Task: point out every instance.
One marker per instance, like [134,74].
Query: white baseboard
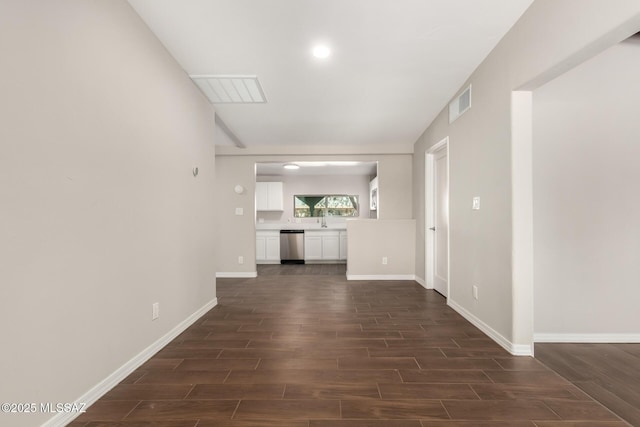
[515,349]
[100,389]
[587,338]
[237,275]
[421,282]
[381,276]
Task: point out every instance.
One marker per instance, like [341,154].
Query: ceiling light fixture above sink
[291,166]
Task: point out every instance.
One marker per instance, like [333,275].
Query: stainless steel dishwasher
[291,246]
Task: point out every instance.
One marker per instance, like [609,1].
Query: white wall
[318,184]
[236,234]
[550,38]
[371,240]
[100,213]
[586,204]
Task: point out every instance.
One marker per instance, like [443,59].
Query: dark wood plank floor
[318,351]
[301,269]
[610,373]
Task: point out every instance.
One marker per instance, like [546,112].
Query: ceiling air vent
[458,106]
[230,89]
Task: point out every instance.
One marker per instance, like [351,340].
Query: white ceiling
[394,64]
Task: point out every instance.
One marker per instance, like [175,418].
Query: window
[311,206]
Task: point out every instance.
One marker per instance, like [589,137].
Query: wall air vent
[460,104]
[230,89]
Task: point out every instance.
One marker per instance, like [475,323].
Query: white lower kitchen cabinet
[343,246]
[331,246]
[322,245]
[312,247]
[267,247]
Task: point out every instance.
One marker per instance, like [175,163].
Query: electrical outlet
[155,310]
[384,260]
[475,292]
[240,259]
[239,211]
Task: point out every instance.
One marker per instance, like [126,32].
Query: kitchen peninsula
[321,244]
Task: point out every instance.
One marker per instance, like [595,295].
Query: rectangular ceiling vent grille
[460,105]
[231,89]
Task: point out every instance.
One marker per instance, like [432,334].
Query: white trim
[267,261]
[381,277]
[100,389]
[237,275]
[588,338]
[515,349]
[429,219]
[421,281]
[522,280]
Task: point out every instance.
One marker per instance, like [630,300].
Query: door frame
[429,218]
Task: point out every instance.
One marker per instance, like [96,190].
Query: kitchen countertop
[296,226]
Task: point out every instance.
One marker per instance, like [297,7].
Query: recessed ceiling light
[321,51]
[291,166]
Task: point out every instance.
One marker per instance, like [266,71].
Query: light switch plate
[155,310]
[239,211]
[476,203]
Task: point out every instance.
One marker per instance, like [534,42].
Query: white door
[441,222]
[437,217]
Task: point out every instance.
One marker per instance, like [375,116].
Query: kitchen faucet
[324,220]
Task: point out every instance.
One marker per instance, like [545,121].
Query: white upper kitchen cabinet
[269,196]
